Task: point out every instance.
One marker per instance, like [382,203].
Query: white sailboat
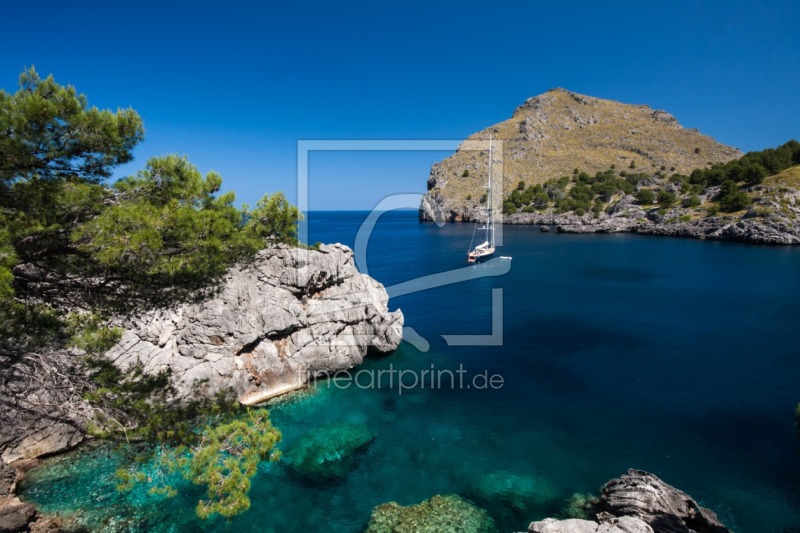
[486,248]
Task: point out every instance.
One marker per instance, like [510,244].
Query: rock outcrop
[625,524]
[286,317]
[43,410]
[639,502]
[14,515]
[553,133]
[665,508]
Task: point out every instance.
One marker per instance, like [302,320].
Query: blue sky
[234,85]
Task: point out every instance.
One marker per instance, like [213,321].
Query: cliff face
[285,317]
[288,316]
[551,134]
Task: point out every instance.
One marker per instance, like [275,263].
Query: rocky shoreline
[286,317]
[765,222]
[638,502]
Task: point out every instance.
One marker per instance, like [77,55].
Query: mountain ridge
[551,134]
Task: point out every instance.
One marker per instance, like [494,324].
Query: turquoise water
[674,356]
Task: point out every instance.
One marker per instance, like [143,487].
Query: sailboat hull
[476,256]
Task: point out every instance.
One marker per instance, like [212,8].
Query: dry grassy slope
[789,177]
[553,133]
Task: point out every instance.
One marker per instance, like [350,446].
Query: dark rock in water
[544,229]
[664,507]
[503,489]
[440,514]
[16,517]
[639,502]
[328,454]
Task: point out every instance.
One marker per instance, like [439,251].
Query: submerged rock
[579,506]
[440,514]
[512,490]
[329,453]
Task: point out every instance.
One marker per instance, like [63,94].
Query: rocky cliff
[551,134]
[288,316]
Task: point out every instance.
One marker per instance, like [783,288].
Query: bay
[618,351]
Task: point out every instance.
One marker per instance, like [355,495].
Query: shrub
[645,197]
[666,198]
[691,201]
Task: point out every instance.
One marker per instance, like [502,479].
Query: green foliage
[89,332]
[227,459]
[274,220]
[169,231]
[521,186]
[465,174]
[645,197]
[691,201]
[665,198]
[224,460]
[751,168]
[49,132]
[71,241]
[732,199]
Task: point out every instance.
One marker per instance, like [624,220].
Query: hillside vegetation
[552,134]
[727,187]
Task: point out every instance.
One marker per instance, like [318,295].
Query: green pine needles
[224,461]
[76,250]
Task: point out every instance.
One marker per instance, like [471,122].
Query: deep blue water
[675,356]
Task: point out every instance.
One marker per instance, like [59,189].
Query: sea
[577,359]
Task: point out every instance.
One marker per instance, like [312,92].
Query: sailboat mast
[490,221]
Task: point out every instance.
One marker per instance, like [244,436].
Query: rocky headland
[284,318]
[287,317]
[559,142]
